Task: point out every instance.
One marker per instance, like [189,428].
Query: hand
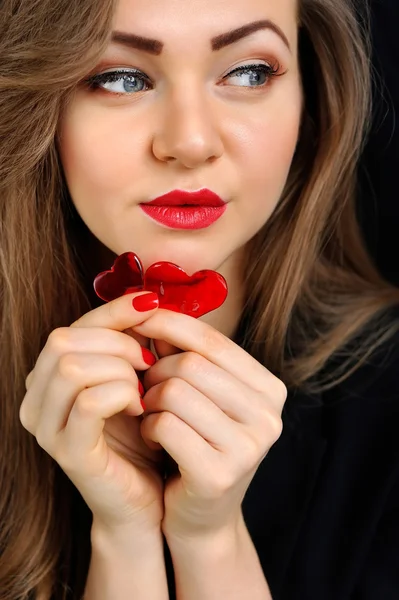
[83,405]
[217,412]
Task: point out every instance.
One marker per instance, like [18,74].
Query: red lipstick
[186,210]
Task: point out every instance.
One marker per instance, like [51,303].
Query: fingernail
[148,357]
[146,302]
[141,389]
[142,404]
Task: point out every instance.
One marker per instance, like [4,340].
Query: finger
[238,401]
[176,396]
[83,430]
[121,313]
[200,461]
[75,372]
[118,315]
[188,333]
[191,452]
[143,341]
[164,349]
[66,340]
[92,340]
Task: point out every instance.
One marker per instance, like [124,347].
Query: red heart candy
[124,277]
[193,295]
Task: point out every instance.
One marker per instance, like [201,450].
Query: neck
[226,318]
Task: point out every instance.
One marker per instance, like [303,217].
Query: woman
[278,409]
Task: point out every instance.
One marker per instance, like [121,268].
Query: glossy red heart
[125,276]
[193,295]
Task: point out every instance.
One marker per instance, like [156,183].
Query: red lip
[186,210]
[202,197]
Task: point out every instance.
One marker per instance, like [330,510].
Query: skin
[191,129]
[211,406]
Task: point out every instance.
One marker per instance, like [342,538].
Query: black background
[379,189]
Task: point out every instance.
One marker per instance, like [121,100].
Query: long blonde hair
[311,285]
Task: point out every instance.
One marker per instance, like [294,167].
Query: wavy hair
[311,284]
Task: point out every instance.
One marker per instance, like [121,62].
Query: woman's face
[196,109]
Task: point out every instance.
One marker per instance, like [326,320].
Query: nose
[187,132]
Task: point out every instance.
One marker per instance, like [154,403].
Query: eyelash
[94,82]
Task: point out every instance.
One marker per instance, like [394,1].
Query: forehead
[190,21]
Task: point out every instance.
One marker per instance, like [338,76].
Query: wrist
[207,542]
[128,538]
[224,564]
[123,562]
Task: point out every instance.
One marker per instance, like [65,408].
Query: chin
[189,257]
[189,264]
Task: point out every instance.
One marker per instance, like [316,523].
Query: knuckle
[190,361]
[214,340]
[281,391]
[69,366]
[86,402]
[28,380]
[124,392]
[164,421]
[172,387]
[24,416]
[58,340]
[250,452]
[274,427]
[271,426]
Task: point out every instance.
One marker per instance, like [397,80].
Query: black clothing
[323,507]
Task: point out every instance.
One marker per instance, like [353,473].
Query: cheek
[267,150]
[98,158]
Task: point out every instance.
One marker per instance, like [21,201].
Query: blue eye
[253,75]
[120,82]
[128,82]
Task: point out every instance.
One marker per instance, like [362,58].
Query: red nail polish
[142,404]
[141,389]
[148,357]
[146,302]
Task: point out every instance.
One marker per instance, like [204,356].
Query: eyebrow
[225,39]
[155,47]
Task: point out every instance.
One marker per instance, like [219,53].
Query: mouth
[186,210]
